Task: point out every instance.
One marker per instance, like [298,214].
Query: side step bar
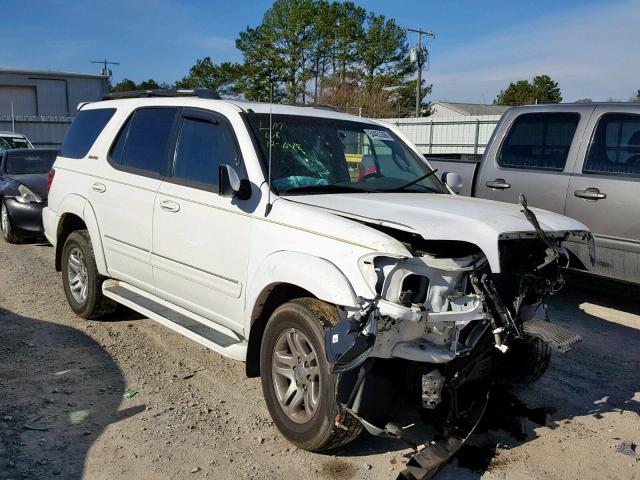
[560,339]
[199,329]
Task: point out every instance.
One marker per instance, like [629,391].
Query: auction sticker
[378,135]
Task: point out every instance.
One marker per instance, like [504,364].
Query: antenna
[269,204]
[105,70]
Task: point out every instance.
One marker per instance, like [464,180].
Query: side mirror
[230,185]
[453,181]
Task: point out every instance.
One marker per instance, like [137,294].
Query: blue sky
[591,47]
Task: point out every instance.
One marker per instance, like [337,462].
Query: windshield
[29,162]
[323,155]
[7,143]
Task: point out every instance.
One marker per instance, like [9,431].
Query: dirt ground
[195,415]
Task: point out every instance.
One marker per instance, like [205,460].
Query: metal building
[53,94]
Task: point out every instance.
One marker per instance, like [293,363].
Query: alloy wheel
[77,275]
[296,375]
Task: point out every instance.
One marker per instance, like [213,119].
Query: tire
[90,303]
[527,360]
[8,233]
[316,431]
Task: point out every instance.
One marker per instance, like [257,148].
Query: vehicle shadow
[60,390]
[598,376]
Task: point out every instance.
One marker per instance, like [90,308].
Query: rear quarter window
[84,130]
[539,141]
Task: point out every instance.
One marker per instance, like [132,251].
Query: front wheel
[8,232]
[298,386]
[80,278]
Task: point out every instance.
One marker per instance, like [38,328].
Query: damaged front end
[441,328]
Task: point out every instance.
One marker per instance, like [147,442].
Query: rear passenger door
[200,239]
[535,158]
[123,196]
[604,192]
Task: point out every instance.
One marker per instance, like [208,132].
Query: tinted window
[202,147]
[29,162]
[142,142]
[539,141]
[84,130]
[118,147]
[615,148]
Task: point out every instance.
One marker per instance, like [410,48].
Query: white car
[340,287]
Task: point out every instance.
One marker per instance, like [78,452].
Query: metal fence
[448,135]
[42,131]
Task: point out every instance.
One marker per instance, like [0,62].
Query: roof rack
[165,92]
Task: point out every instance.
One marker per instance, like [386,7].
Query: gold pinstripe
[235,212]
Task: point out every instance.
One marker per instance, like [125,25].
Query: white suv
[353,277]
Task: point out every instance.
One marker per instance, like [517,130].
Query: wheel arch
[284,276]
[79,215]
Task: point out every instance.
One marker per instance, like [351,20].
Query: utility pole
[106,71]
[418,56]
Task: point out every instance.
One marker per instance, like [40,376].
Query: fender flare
[96,239]
[80,207]
[316,275]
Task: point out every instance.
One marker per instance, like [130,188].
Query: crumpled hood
[442,216]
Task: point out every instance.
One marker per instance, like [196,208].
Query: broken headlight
[375,267]
[27,196]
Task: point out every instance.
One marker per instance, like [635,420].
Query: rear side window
[615,147]
[142,141]
[539,141]
[84,130]
[203,146]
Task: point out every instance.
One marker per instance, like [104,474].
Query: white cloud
[590,52]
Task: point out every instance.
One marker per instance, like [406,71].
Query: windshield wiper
[324,189]
[413,182]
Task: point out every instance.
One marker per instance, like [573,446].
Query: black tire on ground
[9,235]
[527,360]
[309,316]
[96,305]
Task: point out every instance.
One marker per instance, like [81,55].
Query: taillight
[52,173]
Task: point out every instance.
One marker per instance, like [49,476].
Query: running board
[199,329]
[560,339]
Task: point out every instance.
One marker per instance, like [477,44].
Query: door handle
[169,206]
[99,187]
[498,184]
[590,193]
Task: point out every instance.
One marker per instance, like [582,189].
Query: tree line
[316,51]
[331,53]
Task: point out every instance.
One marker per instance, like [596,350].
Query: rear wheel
[80,278]
[298,386]
[8,233]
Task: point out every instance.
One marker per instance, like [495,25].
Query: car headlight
[27,196]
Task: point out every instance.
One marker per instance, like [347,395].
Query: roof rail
[165,92]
